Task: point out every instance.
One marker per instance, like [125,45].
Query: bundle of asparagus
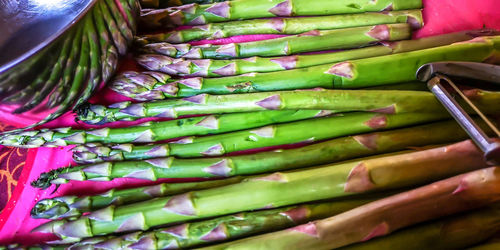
[290,26]
[214,68]
[359,73]
[381,217]
[195,14]
[337,149]
[273,135]
[287,188]
[228,227]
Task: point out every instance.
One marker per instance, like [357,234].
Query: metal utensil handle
[491,147]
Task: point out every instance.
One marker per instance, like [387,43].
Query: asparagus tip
[82,110]
[45,179]
[49,209]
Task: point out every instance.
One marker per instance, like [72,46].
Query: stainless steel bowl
[55,53]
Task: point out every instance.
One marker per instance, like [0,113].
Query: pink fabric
[441,16]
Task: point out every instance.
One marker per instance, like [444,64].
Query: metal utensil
[60,48]
[439,76]
[31,30]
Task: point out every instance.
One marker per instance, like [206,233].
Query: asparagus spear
[315,40]
[71,206]
[290,26]
[457,232]
[131,10]
[109,53]
[460,193]
[119,41]
[384,101]
[123,26]
[287,188]
[229,227]
[273,135]
[157,131]
[359,73]
[194,14]
[210,67]
[321,153]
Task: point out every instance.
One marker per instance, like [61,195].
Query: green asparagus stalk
[124,27]
[194,14]
[382,101]
[358,73]
[157,131]
[272,135]
[71,206]
[450,196]
[214,68]
[311,155]
[458,232]
[109,53]
[230,227]
[290,26]
[288,188]
[119,40]
[315,40]
[131,11]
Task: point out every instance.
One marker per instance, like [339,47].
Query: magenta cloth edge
[440,16]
